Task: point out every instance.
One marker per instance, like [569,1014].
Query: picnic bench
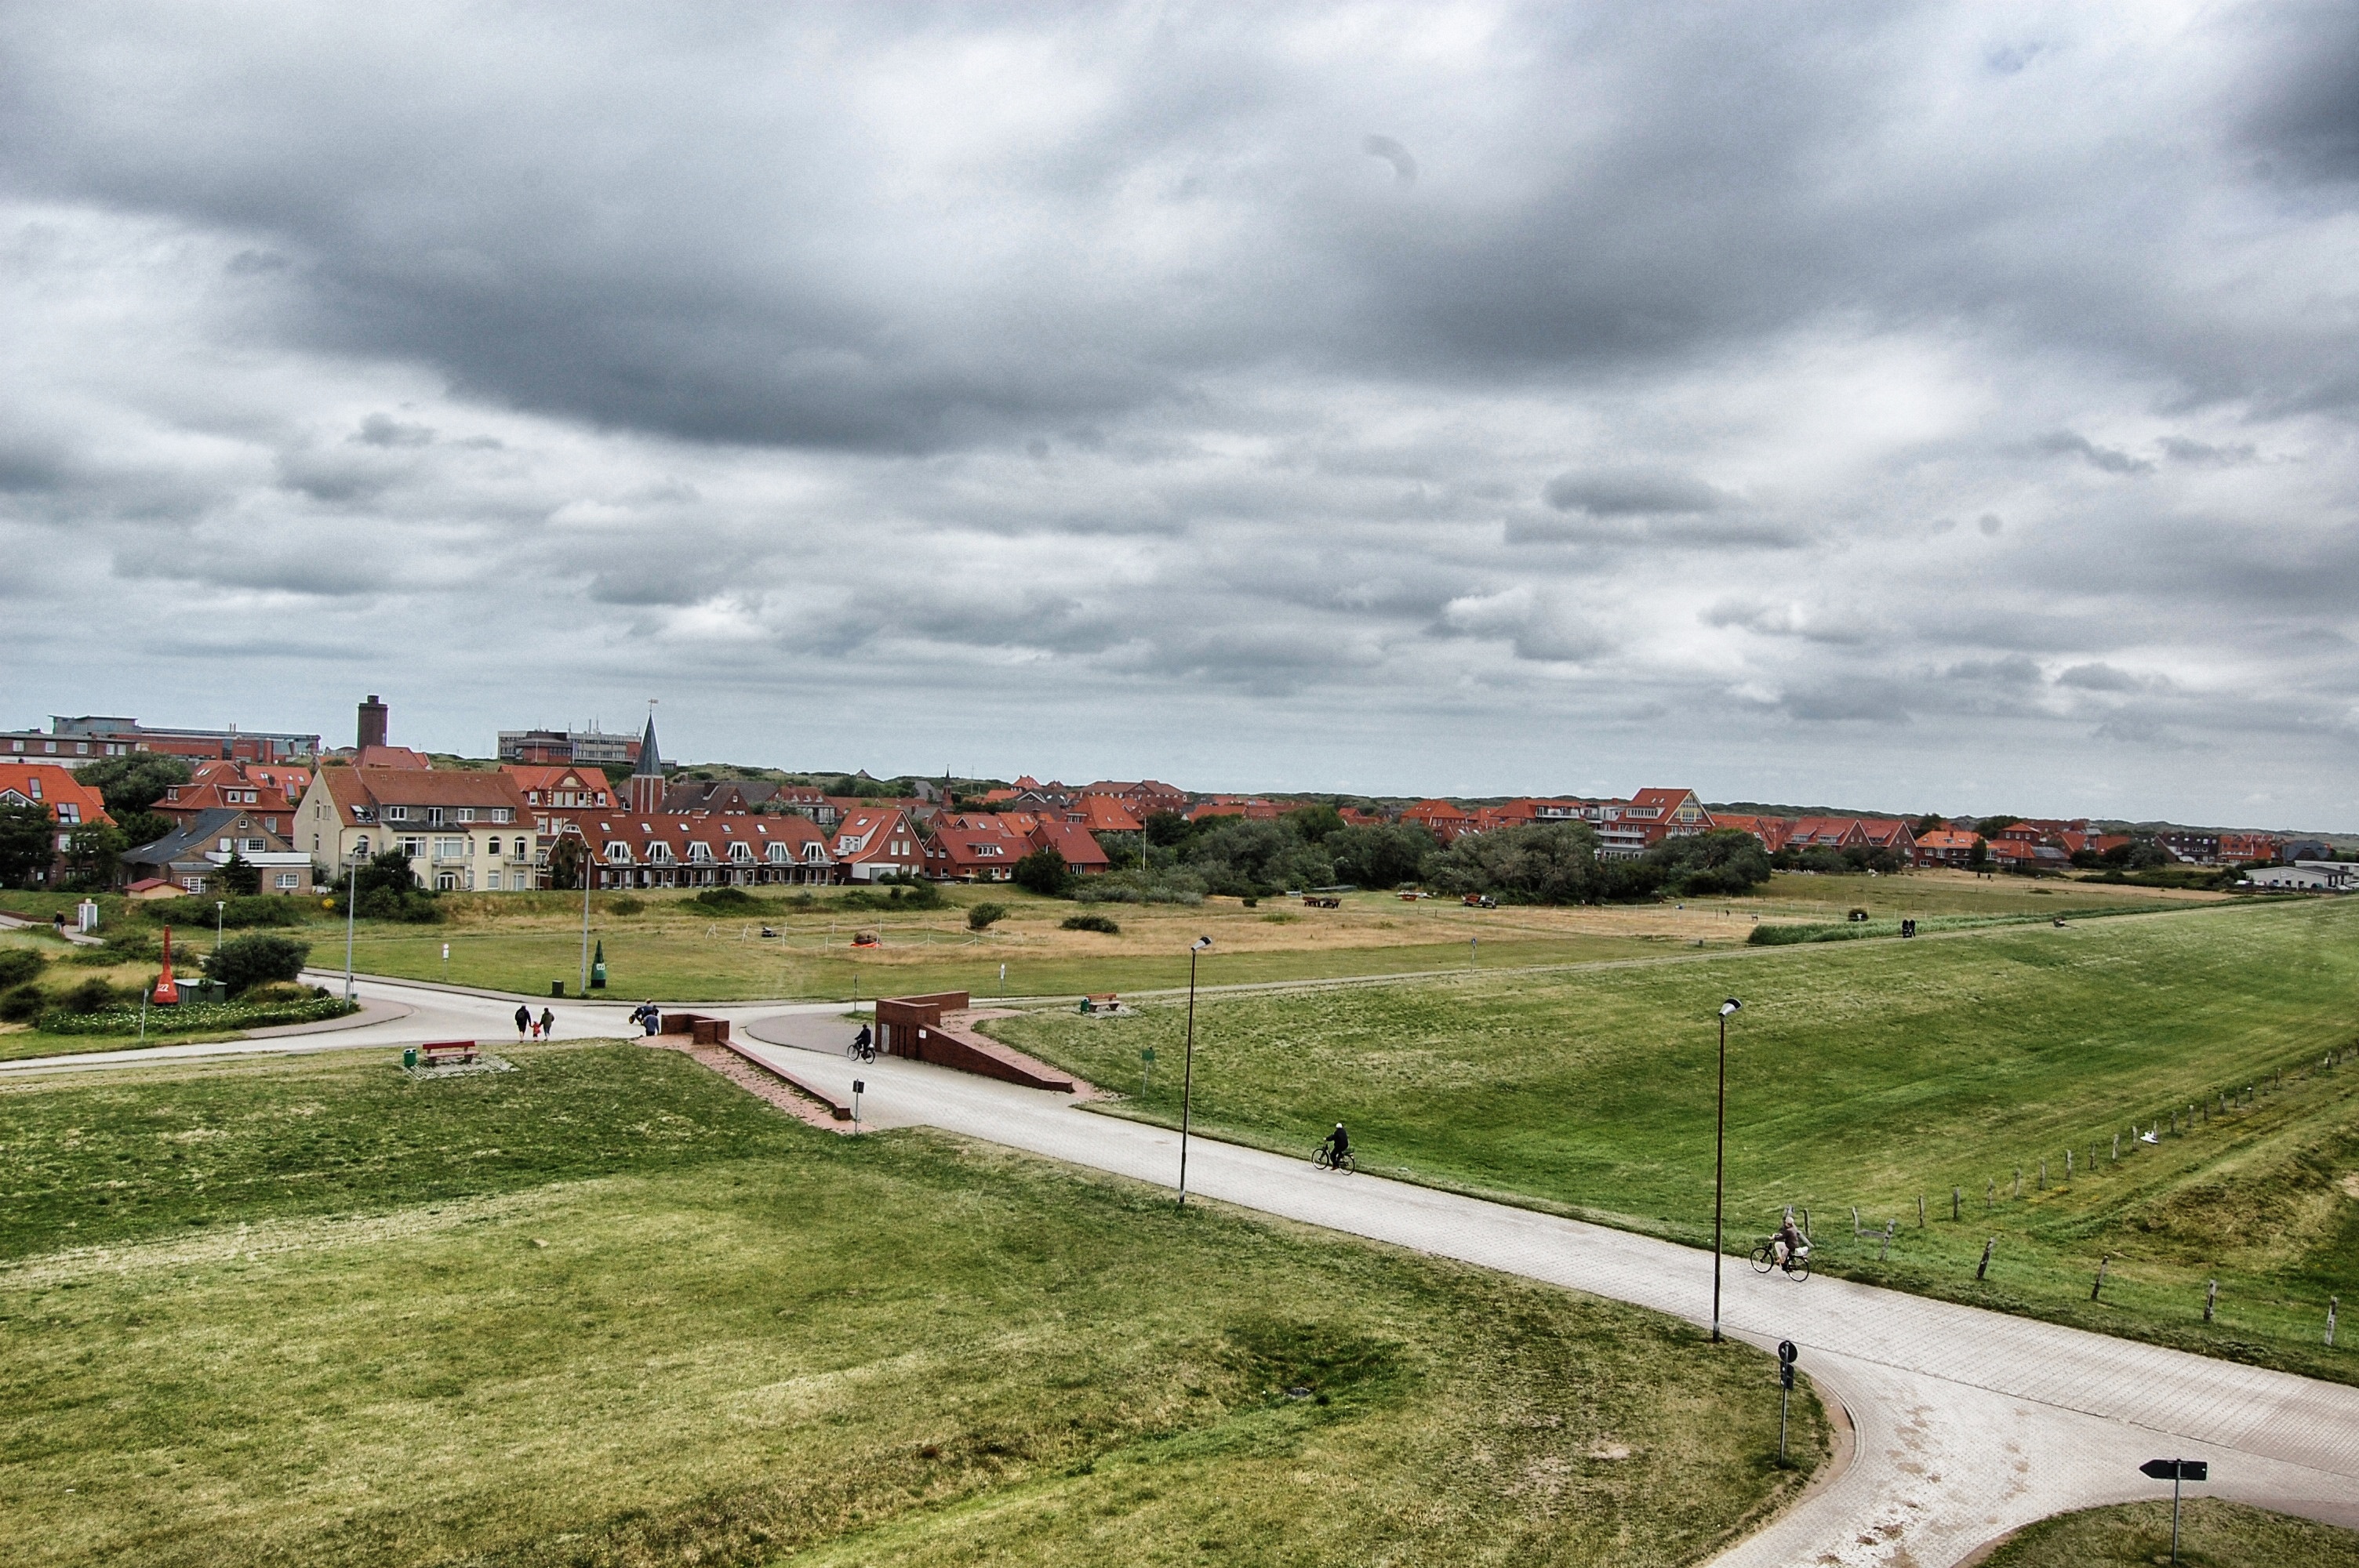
[442,1053]
[1323,903]
[1102,1001]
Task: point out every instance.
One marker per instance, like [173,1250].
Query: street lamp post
[351,897]
[220,907]
[1188,1069]
[1719,1161]
[585,918]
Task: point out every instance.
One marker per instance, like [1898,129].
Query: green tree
[1044,872]
[1539,862]
[1314,824]
[93,855]
[143,827]
[27,844]
[239,876]
[244,962]
[1727,860]
[981,917]
[132,783]
[568,861]
[1979,857]
[1381,856]
[1168,829]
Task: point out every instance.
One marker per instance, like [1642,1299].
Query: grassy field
[1868,1074]
[672,949]
[608,1309]
[2212,1534]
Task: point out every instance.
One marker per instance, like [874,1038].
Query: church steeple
[647,779]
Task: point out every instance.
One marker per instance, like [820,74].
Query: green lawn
[609,1310]
[2212,1534]
[1867,1074]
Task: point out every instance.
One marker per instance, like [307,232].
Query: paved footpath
[1969,1424]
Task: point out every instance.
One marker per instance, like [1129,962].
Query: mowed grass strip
[1867,1074]
[608,1309]
[2212,1534]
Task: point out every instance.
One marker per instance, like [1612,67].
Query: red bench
[436,1053]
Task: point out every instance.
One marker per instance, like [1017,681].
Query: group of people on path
[648,1017]
[542,1028]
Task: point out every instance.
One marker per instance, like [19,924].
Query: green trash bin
[408,1056]
[557,988]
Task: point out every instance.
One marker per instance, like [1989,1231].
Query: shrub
[18,966]
[625,904]
[194,1017]
[1044,872]
[244,962]
[278,992]
[22,1005]
[88,997]
[728,901]
[262,909]
[1105,922]
[982,916]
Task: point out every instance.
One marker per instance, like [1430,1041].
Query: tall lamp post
[585,917]
[1719,1161]
[219,907]
[351,897]
[1188,1071]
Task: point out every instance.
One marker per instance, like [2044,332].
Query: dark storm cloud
[1631,492]
[2304,95]
[2072,444]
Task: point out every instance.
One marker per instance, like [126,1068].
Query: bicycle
[1325,1160]
[861,1052]
[1765,1257]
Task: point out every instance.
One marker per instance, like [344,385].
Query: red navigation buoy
[167,993]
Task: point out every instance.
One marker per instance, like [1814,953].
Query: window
[413,847]
[467,814]
[396,814]
[69,813]
[449,849]
[271,823]
[492,881]
[618,854]
[228,845]
[288,881]
[253,846]
[315,843]
[503,814]
[361,847]
[194,884]
[433,816]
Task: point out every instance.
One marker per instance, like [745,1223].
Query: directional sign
[2178,1469]
[1785,1351]
[858,1087]
[1148,1054]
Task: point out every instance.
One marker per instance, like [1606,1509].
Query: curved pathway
[1969,1424]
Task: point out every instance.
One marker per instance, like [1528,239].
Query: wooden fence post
[1984,1267]
[1954,1197]
[2100,1276]
[1920,1211]
[2211,1298]
[1884,1251]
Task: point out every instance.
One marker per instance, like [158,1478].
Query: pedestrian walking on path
[523,1022]
[548,1023]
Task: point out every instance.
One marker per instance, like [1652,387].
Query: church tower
[647,779]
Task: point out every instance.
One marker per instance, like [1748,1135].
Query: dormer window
[394,812]
[467,814]
[433,816]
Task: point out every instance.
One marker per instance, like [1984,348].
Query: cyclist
[1337,1144]
[1789,1245]
[864,1043]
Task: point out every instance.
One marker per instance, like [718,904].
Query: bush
[19,966]
[195,1017]
[1044,872]
[244,962]
[728,901]
[1105,922]
[625,904]
[982,916]
[22,1005]
[89,996]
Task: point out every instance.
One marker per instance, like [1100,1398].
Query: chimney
[372,722]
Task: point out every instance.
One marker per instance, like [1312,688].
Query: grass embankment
[1868,1074]
[2212,1534]
[608,1309]
[665,945]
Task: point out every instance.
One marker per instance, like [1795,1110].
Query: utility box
[86,916]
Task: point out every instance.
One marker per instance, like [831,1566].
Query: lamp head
[1200,944]
[1731,1005]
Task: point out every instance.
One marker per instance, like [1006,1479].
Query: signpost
[858,1087]
[2176,1471]
[1786,1355]
[1145,1069]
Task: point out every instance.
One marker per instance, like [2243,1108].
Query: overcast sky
[1943,409]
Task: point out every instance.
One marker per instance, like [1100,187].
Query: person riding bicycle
[862,1041]
[1337,1144]
[1790,1244]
